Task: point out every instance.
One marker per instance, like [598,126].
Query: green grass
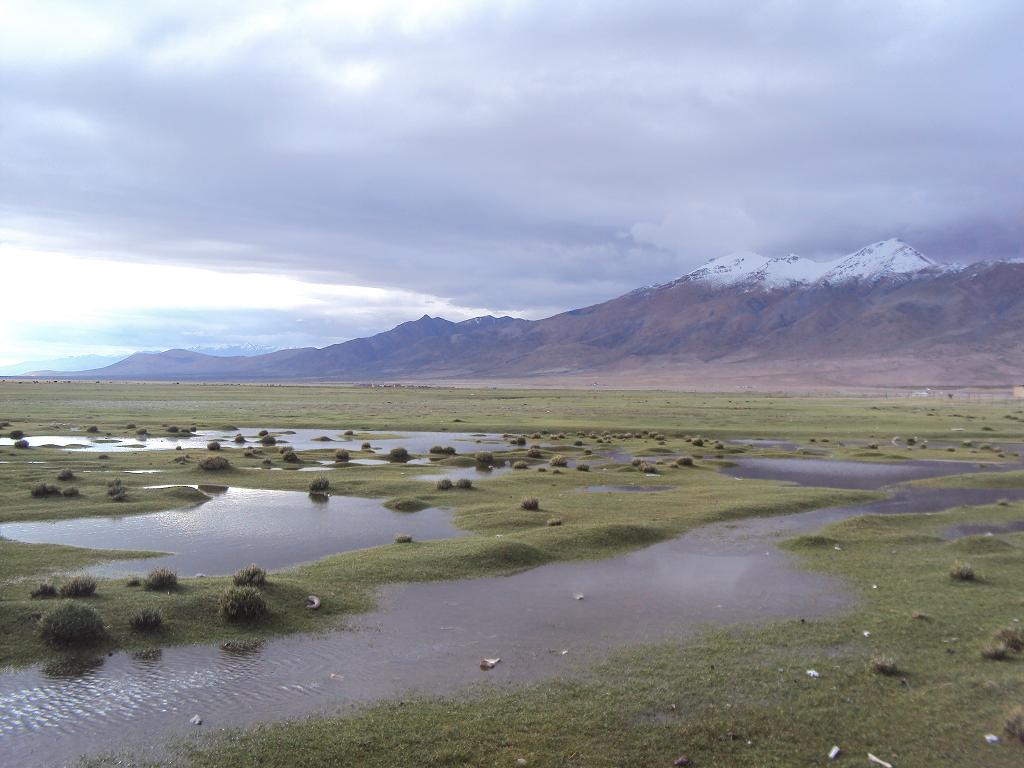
[37,407]
[22,562]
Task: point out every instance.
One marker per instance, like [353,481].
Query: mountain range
[885,315]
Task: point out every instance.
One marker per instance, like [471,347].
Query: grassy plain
[736,697]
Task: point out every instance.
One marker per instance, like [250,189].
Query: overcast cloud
[466,157]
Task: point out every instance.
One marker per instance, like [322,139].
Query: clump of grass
[320,485]
[93,429]
[16,434]
[530,503]
[520,465]
[558,461]
[242,604]
[262,433]
[444,484]
[884,665]
[66,474]
[647,468]
[21,443]
[42,490]
[398,454]
[242,647]
[70,625]
[582,467]
[1011,637]
[146,620]
[920,616]
[173,429]
[341,456]
[161,579]
[214,464]
[684,461]
[239,438]
[116,490]
[535,453]
[405,504]
[961,571]
[46,589]
[366,446]
[133,581]
[1015,723]
[266,439]
[250,576]
[213,445]
[78,586]
[484,459]
[464,483]
[291,457]
[995,651]
[403,538]
[554,521]
[141,431]
[70,493]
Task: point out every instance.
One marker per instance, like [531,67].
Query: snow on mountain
[737,268]
[878,261]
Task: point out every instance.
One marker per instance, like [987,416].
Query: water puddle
[861,475]
[299,439]
[983,529]
[238,526]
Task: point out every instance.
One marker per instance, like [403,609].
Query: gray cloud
[532,156]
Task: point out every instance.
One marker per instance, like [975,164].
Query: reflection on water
[861,475]
[275,529]
[298,439]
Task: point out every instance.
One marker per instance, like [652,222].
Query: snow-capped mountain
[878,261]
[888,259]
[884,314]
[738,268]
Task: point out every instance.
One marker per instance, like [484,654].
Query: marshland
[661,566]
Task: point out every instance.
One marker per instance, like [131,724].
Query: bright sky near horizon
[184,173]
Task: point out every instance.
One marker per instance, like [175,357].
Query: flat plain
[899,669]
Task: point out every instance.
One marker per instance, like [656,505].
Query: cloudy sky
[193,173]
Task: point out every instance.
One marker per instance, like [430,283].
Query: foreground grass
[740,697]
[50,408]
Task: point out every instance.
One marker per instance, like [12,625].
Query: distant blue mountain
[89,362]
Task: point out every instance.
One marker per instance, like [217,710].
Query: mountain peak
[884,259]
[747,267]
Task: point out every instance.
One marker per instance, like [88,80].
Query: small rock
[684,760]
[489,663]
[991,738]
[834,752]
[578,596]
[520,761]
[196,720]
[813,673]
